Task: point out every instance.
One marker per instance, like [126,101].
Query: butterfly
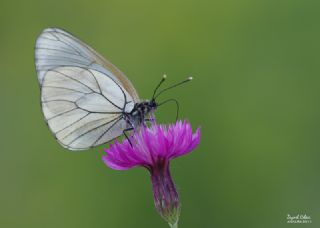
[85,99]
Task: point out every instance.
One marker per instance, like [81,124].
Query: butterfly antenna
[155,90]
[175,85]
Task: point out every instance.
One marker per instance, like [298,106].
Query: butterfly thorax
[140,111]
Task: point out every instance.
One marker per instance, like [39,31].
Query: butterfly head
[153,104]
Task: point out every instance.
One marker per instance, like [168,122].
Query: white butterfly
[85,99]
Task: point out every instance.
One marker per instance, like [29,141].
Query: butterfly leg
[124,132]
[151,118]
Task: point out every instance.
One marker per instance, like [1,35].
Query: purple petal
[152,145]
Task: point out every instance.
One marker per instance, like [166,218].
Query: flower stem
[173,225]
[165,196]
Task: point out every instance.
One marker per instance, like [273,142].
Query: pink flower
[153,147]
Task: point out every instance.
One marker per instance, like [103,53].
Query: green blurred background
[255,95]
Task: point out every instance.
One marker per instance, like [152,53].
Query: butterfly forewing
[83,96]
[55,48]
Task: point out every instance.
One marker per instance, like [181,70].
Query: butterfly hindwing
[83,108]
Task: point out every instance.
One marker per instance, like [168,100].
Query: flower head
[153,147]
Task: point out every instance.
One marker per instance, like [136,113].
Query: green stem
[173,225]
